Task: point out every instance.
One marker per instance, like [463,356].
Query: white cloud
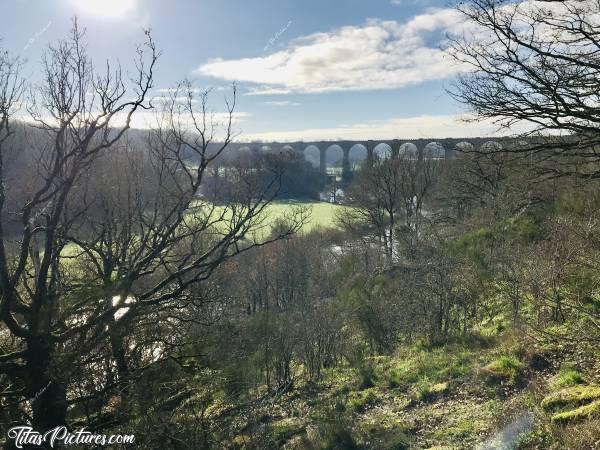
[167,99]
[281,103]
[148,119]
[173,90]
[426,126]
[410,2]
[377,55]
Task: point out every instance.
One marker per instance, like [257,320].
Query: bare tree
[152,241]
[11,92]
[492,185]
[12,87]
[535,63]
[76,109]
[116,241]
[389,199]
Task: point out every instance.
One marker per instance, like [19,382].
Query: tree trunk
[46,390]
[118,353]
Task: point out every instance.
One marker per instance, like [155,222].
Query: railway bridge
[320,153]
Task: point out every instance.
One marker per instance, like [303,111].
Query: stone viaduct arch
[355,153]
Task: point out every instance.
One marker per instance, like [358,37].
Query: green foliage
[524,229]
[332,429]
[339,438]
[428,392]
[238,378]
[473,245]
[377,379]
[577,201]
[506,368]
[394,379]
[285,429]
[461,428]
[576,435]
[567,377]
[399,441]
[372,301]
[381,430]
[366,373]
[430,365]
[360,401]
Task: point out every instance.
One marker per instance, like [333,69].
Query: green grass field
[322,214]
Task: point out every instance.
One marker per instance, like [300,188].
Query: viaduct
[353,150]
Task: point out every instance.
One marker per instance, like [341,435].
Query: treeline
[299,179]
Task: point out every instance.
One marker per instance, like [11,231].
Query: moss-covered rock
[582,413]
[572,396]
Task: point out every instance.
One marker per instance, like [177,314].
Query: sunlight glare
[108,9]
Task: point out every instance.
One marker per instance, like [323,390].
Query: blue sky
[306,69]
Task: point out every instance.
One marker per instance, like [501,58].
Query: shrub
[429,392]
[339,439]
[393,379]
[360,401]
[567,377]
[504,369]
[366,375]
[286,429]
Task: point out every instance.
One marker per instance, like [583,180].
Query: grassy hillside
[493,392]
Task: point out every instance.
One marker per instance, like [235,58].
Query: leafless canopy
[535,63]
[112,239]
